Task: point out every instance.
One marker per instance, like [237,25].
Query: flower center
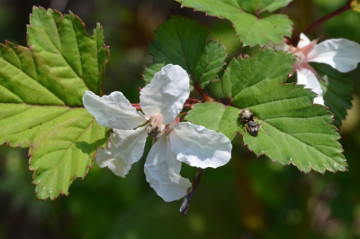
[155,128]
[300,57]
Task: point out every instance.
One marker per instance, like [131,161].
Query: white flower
[161,101]
[341,54]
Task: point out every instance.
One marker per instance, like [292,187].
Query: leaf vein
[59,51]
[56,167]
[29,76]
[16,113]
[290,135]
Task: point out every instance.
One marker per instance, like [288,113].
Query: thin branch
[187,199]
[192,100]
[203,94]
[187,105]
[328,17]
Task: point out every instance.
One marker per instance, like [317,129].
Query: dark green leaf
[182,41]
[337,88]
[252,30]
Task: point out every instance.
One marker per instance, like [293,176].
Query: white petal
[166,93]
[126,147]
[304,41]
[198,146]
[162,171]
[308,79]
[341,54]
[113,111]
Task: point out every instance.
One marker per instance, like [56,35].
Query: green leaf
[265,64]
[257,7]
[41,89]
[182,41]
[337,88]
[215,116]
[151,70]
[292,130]
[209,64]
[252,29]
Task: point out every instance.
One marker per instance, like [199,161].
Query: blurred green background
[248,198]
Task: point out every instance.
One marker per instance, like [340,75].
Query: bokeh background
[248,198]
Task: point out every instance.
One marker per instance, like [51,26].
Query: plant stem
[328,17]
[187,105]
[203,94]
[187,199]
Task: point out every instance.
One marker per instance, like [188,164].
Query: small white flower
[161,101]
[341,54]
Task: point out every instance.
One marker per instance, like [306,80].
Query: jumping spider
[247,117]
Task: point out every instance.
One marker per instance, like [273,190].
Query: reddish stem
[203,94]
[188,105]
[328,17]
[191,100]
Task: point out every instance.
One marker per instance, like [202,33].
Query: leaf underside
[252,29]
[337,88]
[41,89]
[292,130]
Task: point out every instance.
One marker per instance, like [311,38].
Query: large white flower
[341,54]
[161,101]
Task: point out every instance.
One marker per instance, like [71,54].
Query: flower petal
[126,147]
[198,146]
[341,54]
[162,171]
[166,93]
[308,79]
[304,41]
[113,111]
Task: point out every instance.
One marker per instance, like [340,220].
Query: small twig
[192,100]
[328,17]
[187,105]
[187,199]
[203,94]
[296,34]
